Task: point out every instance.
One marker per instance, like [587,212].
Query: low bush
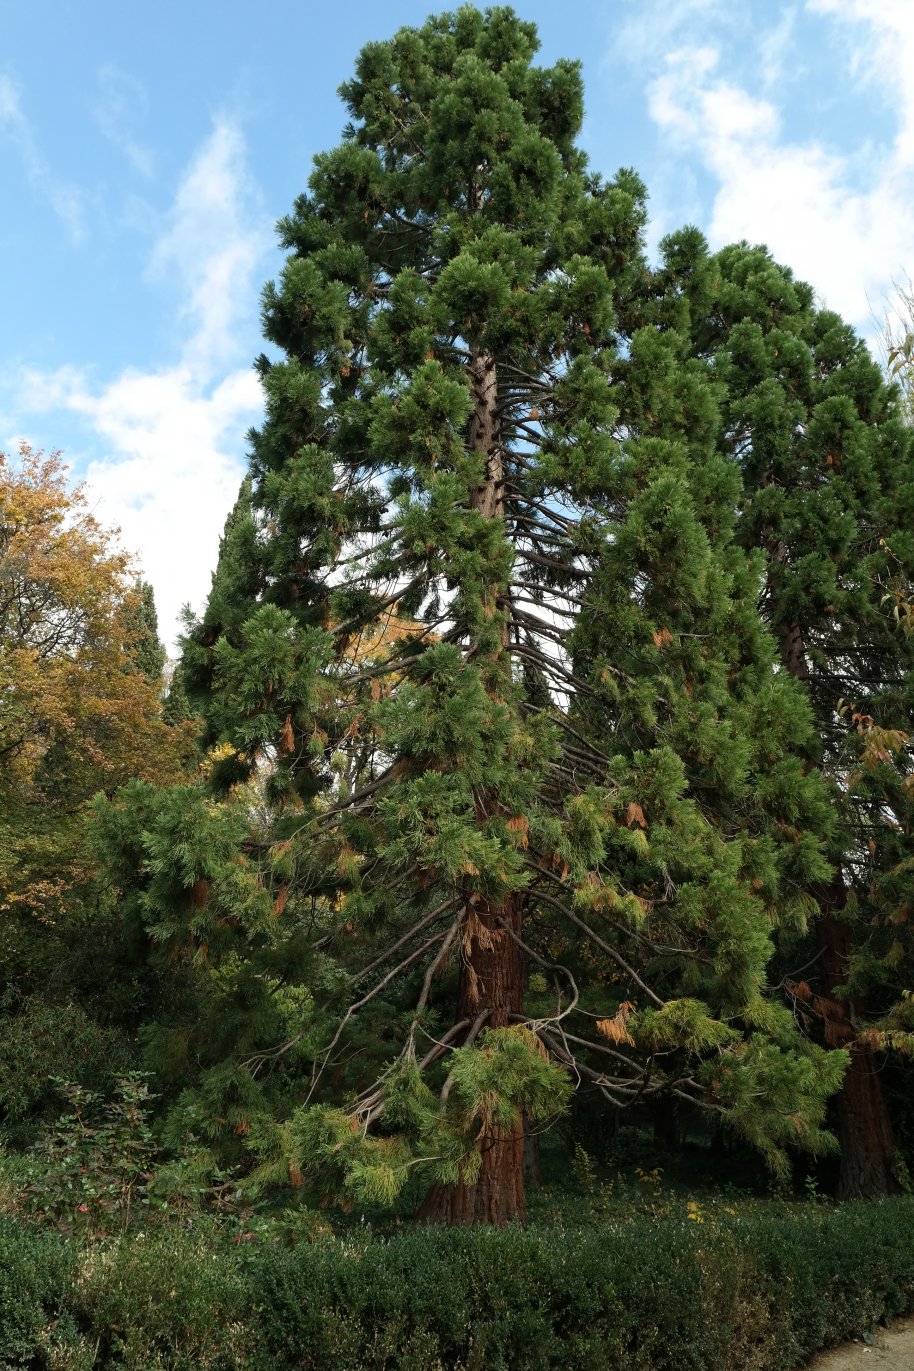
[89,1173]
[169,1301]
[714,1287]
[162,1302]
[35,1272]
[40,1041]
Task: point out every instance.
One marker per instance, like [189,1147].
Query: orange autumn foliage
[77,712]
[616,1028]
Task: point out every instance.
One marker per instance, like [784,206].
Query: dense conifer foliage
[828,496]
[490,703]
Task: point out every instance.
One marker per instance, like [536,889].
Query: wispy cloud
[651,29]
[777,57]
[64,198]
[174,435]
[215,236]
[119,96]
[879,50]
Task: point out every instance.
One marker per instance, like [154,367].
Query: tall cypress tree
[148,649]
[828,474]
[494,659]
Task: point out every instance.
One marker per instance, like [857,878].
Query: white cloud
[65,199]
[841,219]
[175,467]
[214,240]
[174,435]
[690,105]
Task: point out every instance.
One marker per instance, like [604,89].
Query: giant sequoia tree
[483,673]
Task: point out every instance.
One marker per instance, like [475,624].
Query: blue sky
[146,155]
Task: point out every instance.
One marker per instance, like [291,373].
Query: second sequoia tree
[483,636]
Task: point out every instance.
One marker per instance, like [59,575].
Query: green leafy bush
[91,1171]
[34,1274]
[40,1041]
[168,1301]
[162,1302]
[711,1289]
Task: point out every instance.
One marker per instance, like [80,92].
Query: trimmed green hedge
[756,1290]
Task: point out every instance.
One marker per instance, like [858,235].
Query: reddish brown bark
[864,1132]
[793,651]
[491,978]
[863,1124]
[492,962]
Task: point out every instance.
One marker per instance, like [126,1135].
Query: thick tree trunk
[492,963]
[864,1128]
[793,651]
[491,978]
[864,1132]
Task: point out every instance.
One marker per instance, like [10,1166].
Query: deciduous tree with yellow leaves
[80,711]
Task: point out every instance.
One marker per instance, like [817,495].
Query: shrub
[40,1041]
[91,1171]
[35,1271]
[161,1302]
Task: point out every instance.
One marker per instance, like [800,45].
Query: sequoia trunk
[491,979]
[492,962]
[864,1131]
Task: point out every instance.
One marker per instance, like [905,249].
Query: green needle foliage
[827,467]
[484,680]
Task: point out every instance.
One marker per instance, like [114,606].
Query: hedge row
[759,1290]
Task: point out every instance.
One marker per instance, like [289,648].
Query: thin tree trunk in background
[864,1127]
[533,1168]
[863,1124]
[667,1122]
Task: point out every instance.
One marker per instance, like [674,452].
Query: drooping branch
[600,942]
